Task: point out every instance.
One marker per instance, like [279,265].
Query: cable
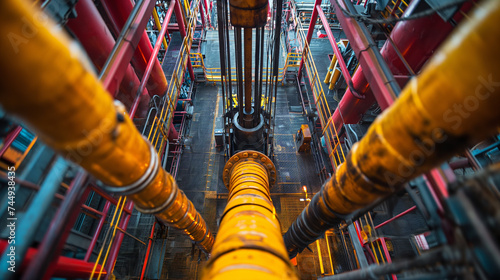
[426,13]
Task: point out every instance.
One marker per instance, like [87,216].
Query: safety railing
[214,74]
[158,132]
[332,141]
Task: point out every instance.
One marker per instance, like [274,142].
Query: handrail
[214,74]
[329,131]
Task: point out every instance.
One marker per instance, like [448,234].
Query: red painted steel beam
[118,12]
[64,268]
[207,11]
[381,81]
[310,31]
[145,263]
[396,217]
[417,40]
[202,14]
[98,230]
[125,47]
[92,32]
[117,243]
[9,139]
[338,54]
[182,29]
[152,59]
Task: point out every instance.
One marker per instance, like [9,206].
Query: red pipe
[310,32]
[387,255]
[152,58]
[417,40]
[98,230]
[145,263]
[95,37]
[117,243]
[172,133]
[202,14]
[9,139]
[64,268]
[118,12]
[207,11]
[396,217]
[182,29]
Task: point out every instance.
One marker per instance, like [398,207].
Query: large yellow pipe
[249,244]
[454,103]
[46,84]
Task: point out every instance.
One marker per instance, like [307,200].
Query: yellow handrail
[214,74]
[332,141]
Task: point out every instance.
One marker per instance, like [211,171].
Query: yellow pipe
[48,85]
[439,113]
[249,244]
[335,77]
[333,63]
[158,25]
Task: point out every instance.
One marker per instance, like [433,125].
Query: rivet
[263,159]
[255,155]
[236,158]
[269,166]
[245,154]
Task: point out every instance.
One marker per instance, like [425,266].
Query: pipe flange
[250,156]
[142,182]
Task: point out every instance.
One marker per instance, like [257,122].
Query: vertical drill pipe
[118,12]
[276,54]
[222,55]
[247,43]
[261,77]
[239,72]
[86,126]
[228,54]
[419,131]
[44,264]
[249,243]
[257,75]
[152,59]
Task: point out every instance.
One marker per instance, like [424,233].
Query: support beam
[310,31]
[118,12]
